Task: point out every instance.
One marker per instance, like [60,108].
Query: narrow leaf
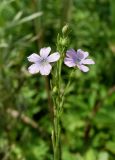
[18,16]
[29,18]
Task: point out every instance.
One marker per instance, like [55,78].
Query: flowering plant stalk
[62,42]
[43,63]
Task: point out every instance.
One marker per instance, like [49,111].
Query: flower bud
[64,42]
[65,29]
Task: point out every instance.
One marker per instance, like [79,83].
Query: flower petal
[80,54]
[71,53]
[34,57]
[88,61]
[33,69]
[83,68]
[69,62]
[45,69]
[53,57]
[84,54]
[44,52]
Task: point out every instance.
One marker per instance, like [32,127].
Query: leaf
[23,20]
[29,18]
[18,16]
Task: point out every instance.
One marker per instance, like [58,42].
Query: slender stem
[57,127]
[57,136]
[50,107]
[57,97]
[65,91]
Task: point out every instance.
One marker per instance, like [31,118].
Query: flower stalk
[57,99]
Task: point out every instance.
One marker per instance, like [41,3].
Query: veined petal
[69,62]
[85,54]
[53,57]
[83,68]
[88,61]
[71,53]
[80,54]
[45,69]
[33,69]
[34,57]
[44,52]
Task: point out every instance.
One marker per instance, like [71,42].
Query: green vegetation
[88,121]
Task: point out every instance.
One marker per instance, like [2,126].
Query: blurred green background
[88,122]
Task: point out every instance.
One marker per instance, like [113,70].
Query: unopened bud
[64,41]
[65,29]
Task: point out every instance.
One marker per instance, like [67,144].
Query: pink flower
[41,63]
[78,59]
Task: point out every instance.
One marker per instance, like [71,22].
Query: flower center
[78,61]
[43,61]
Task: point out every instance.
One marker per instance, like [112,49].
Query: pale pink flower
[41,63]
[78,59]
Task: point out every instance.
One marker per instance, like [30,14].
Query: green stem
[66,89]
[57,127]
[57,136]
[57,98]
